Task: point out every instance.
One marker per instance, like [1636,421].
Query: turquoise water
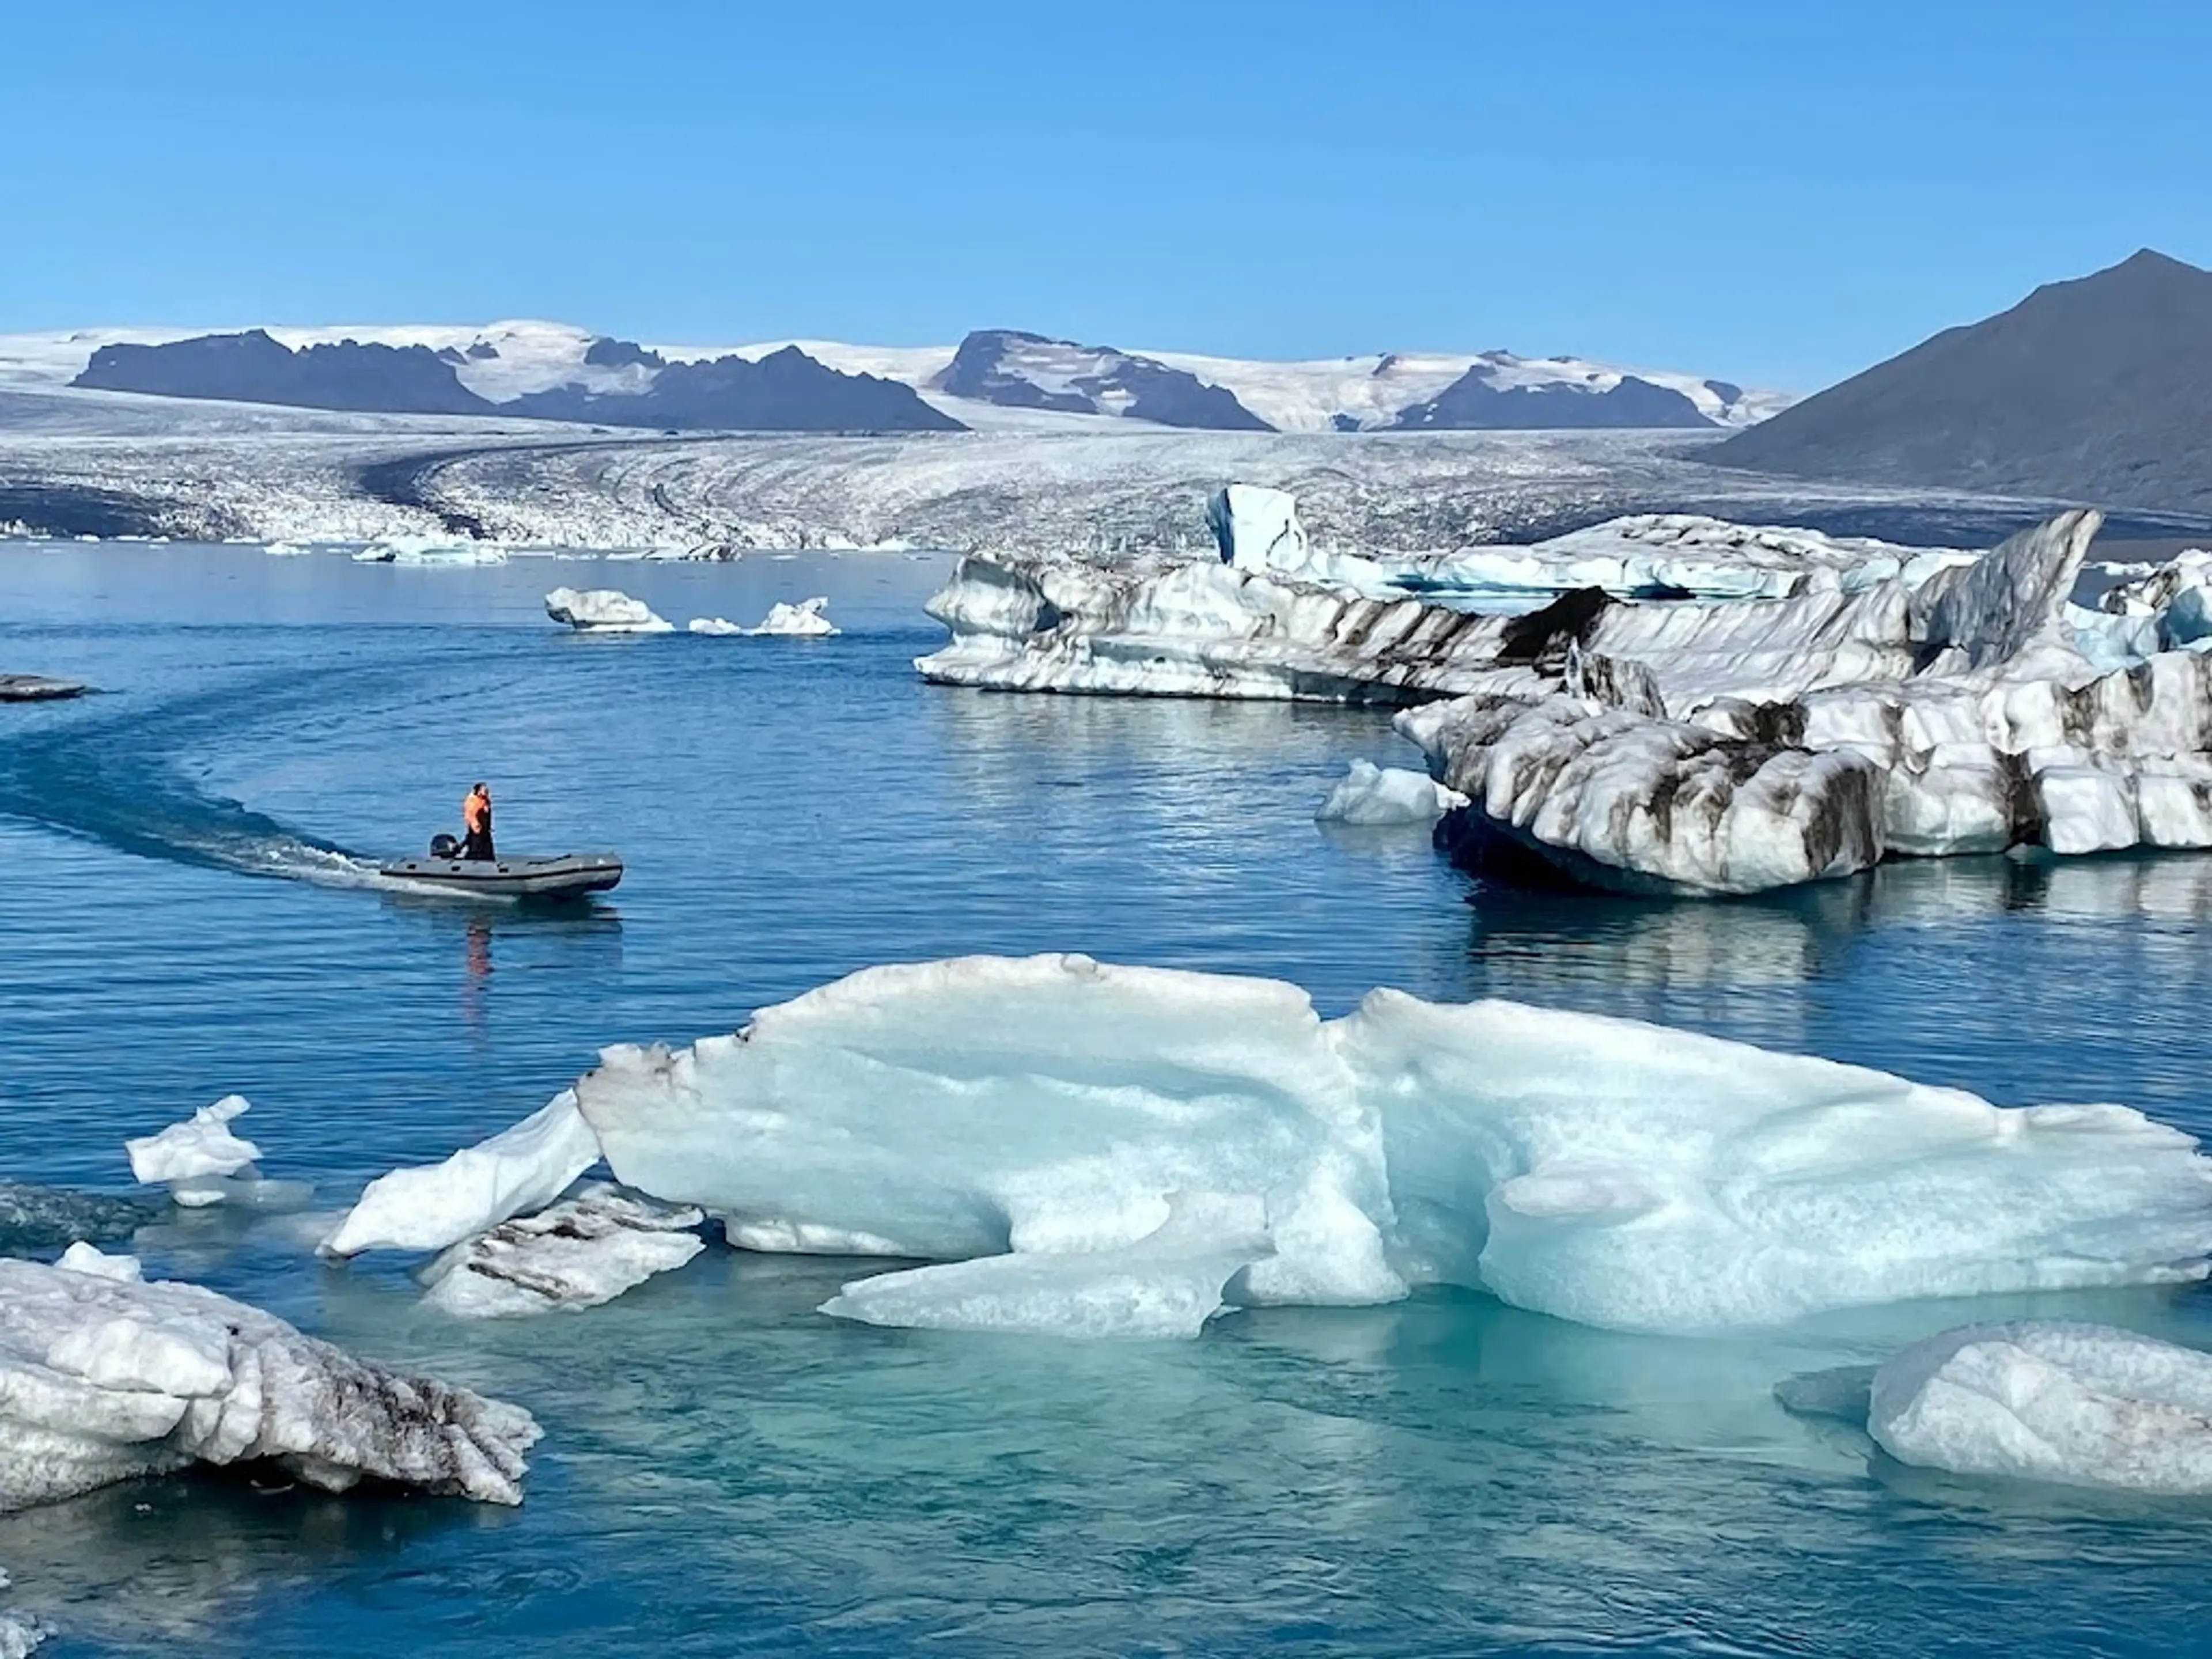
[726,1472]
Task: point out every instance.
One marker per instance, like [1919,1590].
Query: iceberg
[2174,599]
[204,1163]
[105,1377]
[581,1252]
[431,551]
[19,1633]
[604,610]
[804,620]
[2046,1399]
[1372,794]
[1052,1109]
[435,1207]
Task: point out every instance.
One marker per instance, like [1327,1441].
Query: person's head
[482,789]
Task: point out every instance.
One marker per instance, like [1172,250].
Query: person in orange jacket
[476,825]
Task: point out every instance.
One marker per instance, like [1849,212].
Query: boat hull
[572,876]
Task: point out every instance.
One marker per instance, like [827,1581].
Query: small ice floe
[432,551]
[288,549]
[203,1162]
[2046,1400]
[585,1250]
[604,610]
[1371,794]
[435,1206]
[804,620]
[105,1377]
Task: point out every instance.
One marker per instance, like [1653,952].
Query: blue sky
[1781,192]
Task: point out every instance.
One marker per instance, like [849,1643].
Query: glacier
[2046,1400]
[105,1376]
[1094,1144]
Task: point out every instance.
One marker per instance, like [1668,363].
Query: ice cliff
[1861,701]
[104,1377]
[1090,1149]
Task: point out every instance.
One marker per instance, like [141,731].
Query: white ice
[1167,1284]
[432,551]
[807,619]
[1371,794]
[204,1163]
[435,1206]
[106,1378]
[2079,1405]
[1603,1170]
[581,1252]
[603,610]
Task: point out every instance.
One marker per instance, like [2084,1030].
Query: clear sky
[1780,192]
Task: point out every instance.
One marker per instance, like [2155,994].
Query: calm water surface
[726,1472]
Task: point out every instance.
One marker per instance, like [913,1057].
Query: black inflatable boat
[571,875]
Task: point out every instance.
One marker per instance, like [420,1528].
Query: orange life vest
[475,810]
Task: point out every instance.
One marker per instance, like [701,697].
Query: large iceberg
[104,1377]
[2043,1399]
[604,610]
[1057,1110]
[1886,703]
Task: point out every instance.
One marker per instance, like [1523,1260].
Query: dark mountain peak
[786,391]
[252,367]
[607,352]
[2096,389]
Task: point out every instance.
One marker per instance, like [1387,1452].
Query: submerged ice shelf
[1094,1150]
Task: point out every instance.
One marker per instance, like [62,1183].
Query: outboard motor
[444,846]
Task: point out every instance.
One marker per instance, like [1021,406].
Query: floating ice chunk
[804,620]
[2081,1405]
[721,626]
[1372,794]
[204,1163]
[583,1251]
[1603,1170]
[428,550]
[603,610]
[103,1379]
[434,1207]
[288,549]
[1167,1284]
[19,1632]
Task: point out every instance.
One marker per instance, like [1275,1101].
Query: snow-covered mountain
[996,378]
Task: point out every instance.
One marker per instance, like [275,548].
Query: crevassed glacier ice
[580,1252]
[604,610]
[203,1162]
[104,1377]
[434,1207]
[1371,794]
[2046,1399]
[1602,1170]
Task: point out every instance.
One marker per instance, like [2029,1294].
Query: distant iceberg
[428,550]
[1146,1143]
[603,610]
[807,619]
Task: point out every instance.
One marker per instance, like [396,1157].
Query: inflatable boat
[571,875]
